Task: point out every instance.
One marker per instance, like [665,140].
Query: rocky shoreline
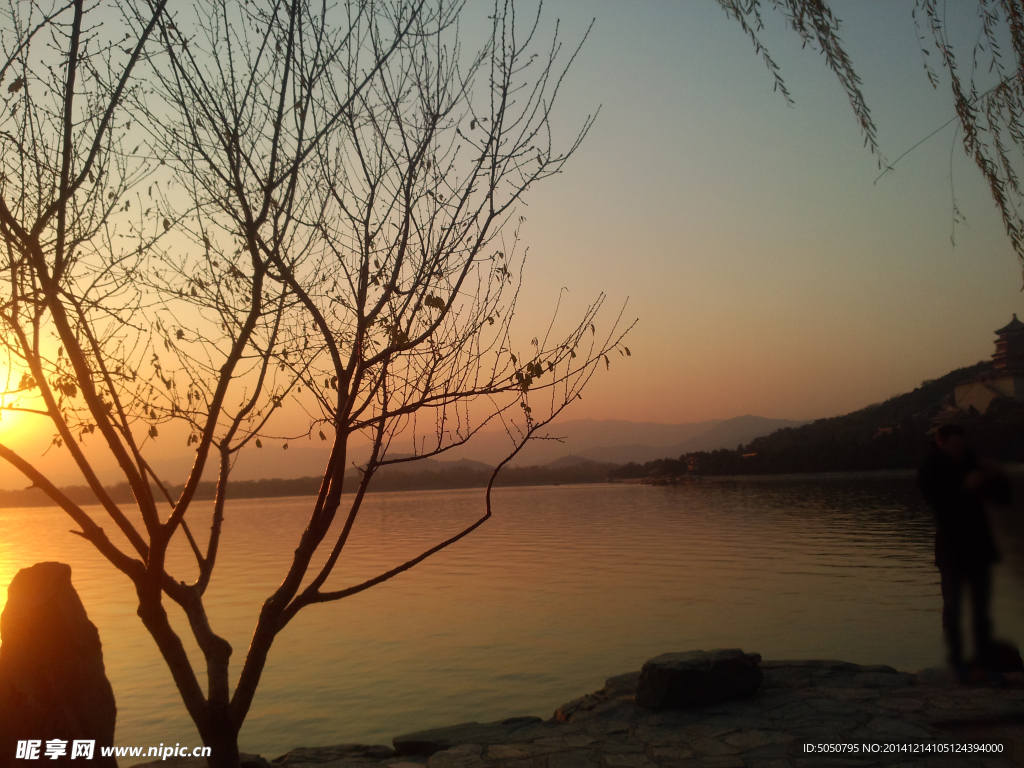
[798,702]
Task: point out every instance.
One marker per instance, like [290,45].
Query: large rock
[52,681]
[621,687]
[1006,657]
[336,753]
[245,760]
[678,680]
[508,731]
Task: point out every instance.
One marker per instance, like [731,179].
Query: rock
[621,685]
[892,679]
[569,741]
[622,745]
[616,687]
[1006,657]
[175,762]
[52,680]
[575,759]
[508,731]
[671,754]
[711,747]
[245,759]
[305,755]
[677,680]
[745,740]
[462,756]
[507,752]
[577,708]
[898,728]
[628,761]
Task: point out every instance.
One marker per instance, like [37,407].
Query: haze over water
[562,588]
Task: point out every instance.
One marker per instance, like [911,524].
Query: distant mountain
[583,440]
[581,437]
[436,465]
[623,454]
[620,442]
[607,442]
[720,434]
[489,447]
[890,435]
[570,461]
[733,432]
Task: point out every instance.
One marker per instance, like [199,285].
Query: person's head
[951,440]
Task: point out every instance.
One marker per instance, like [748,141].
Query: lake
[563,587]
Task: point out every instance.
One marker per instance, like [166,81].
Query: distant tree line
[456,477]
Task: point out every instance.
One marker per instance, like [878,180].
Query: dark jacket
[963,537]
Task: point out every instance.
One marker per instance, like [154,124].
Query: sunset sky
[769,273]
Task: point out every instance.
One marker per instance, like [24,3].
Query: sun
[14,424]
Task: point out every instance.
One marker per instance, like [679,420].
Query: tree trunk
[221,736]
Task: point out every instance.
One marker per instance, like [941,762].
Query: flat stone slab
[799,702]
[247,761]
[513,729]
[338,754]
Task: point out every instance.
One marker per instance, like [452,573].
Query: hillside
[889,435]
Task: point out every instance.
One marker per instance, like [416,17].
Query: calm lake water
[562,588]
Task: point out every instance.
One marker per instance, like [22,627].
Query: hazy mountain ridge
[608,441]
[724,434]
[589,447]
[893,434]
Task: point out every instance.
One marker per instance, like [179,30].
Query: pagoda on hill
[1006,379]
[1009,356]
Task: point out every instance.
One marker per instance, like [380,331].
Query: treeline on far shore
[386,480]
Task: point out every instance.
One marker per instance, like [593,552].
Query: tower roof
[1014,325]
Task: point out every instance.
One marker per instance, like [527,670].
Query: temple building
[1006,379]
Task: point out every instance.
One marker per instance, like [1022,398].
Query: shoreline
[799,702]
[33,498]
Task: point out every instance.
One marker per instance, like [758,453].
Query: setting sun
[15,424]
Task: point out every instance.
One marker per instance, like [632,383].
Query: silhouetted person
[956,485]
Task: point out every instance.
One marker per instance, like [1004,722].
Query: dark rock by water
[52,681]
[308,755]
[438,739]
[677,680]
[1006,657]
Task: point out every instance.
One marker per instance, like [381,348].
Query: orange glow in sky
[772,271]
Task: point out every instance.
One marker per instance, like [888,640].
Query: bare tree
[321,209]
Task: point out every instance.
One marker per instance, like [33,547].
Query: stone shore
[799,702]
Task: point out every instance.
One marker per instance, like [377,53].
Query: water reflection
[563,587]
